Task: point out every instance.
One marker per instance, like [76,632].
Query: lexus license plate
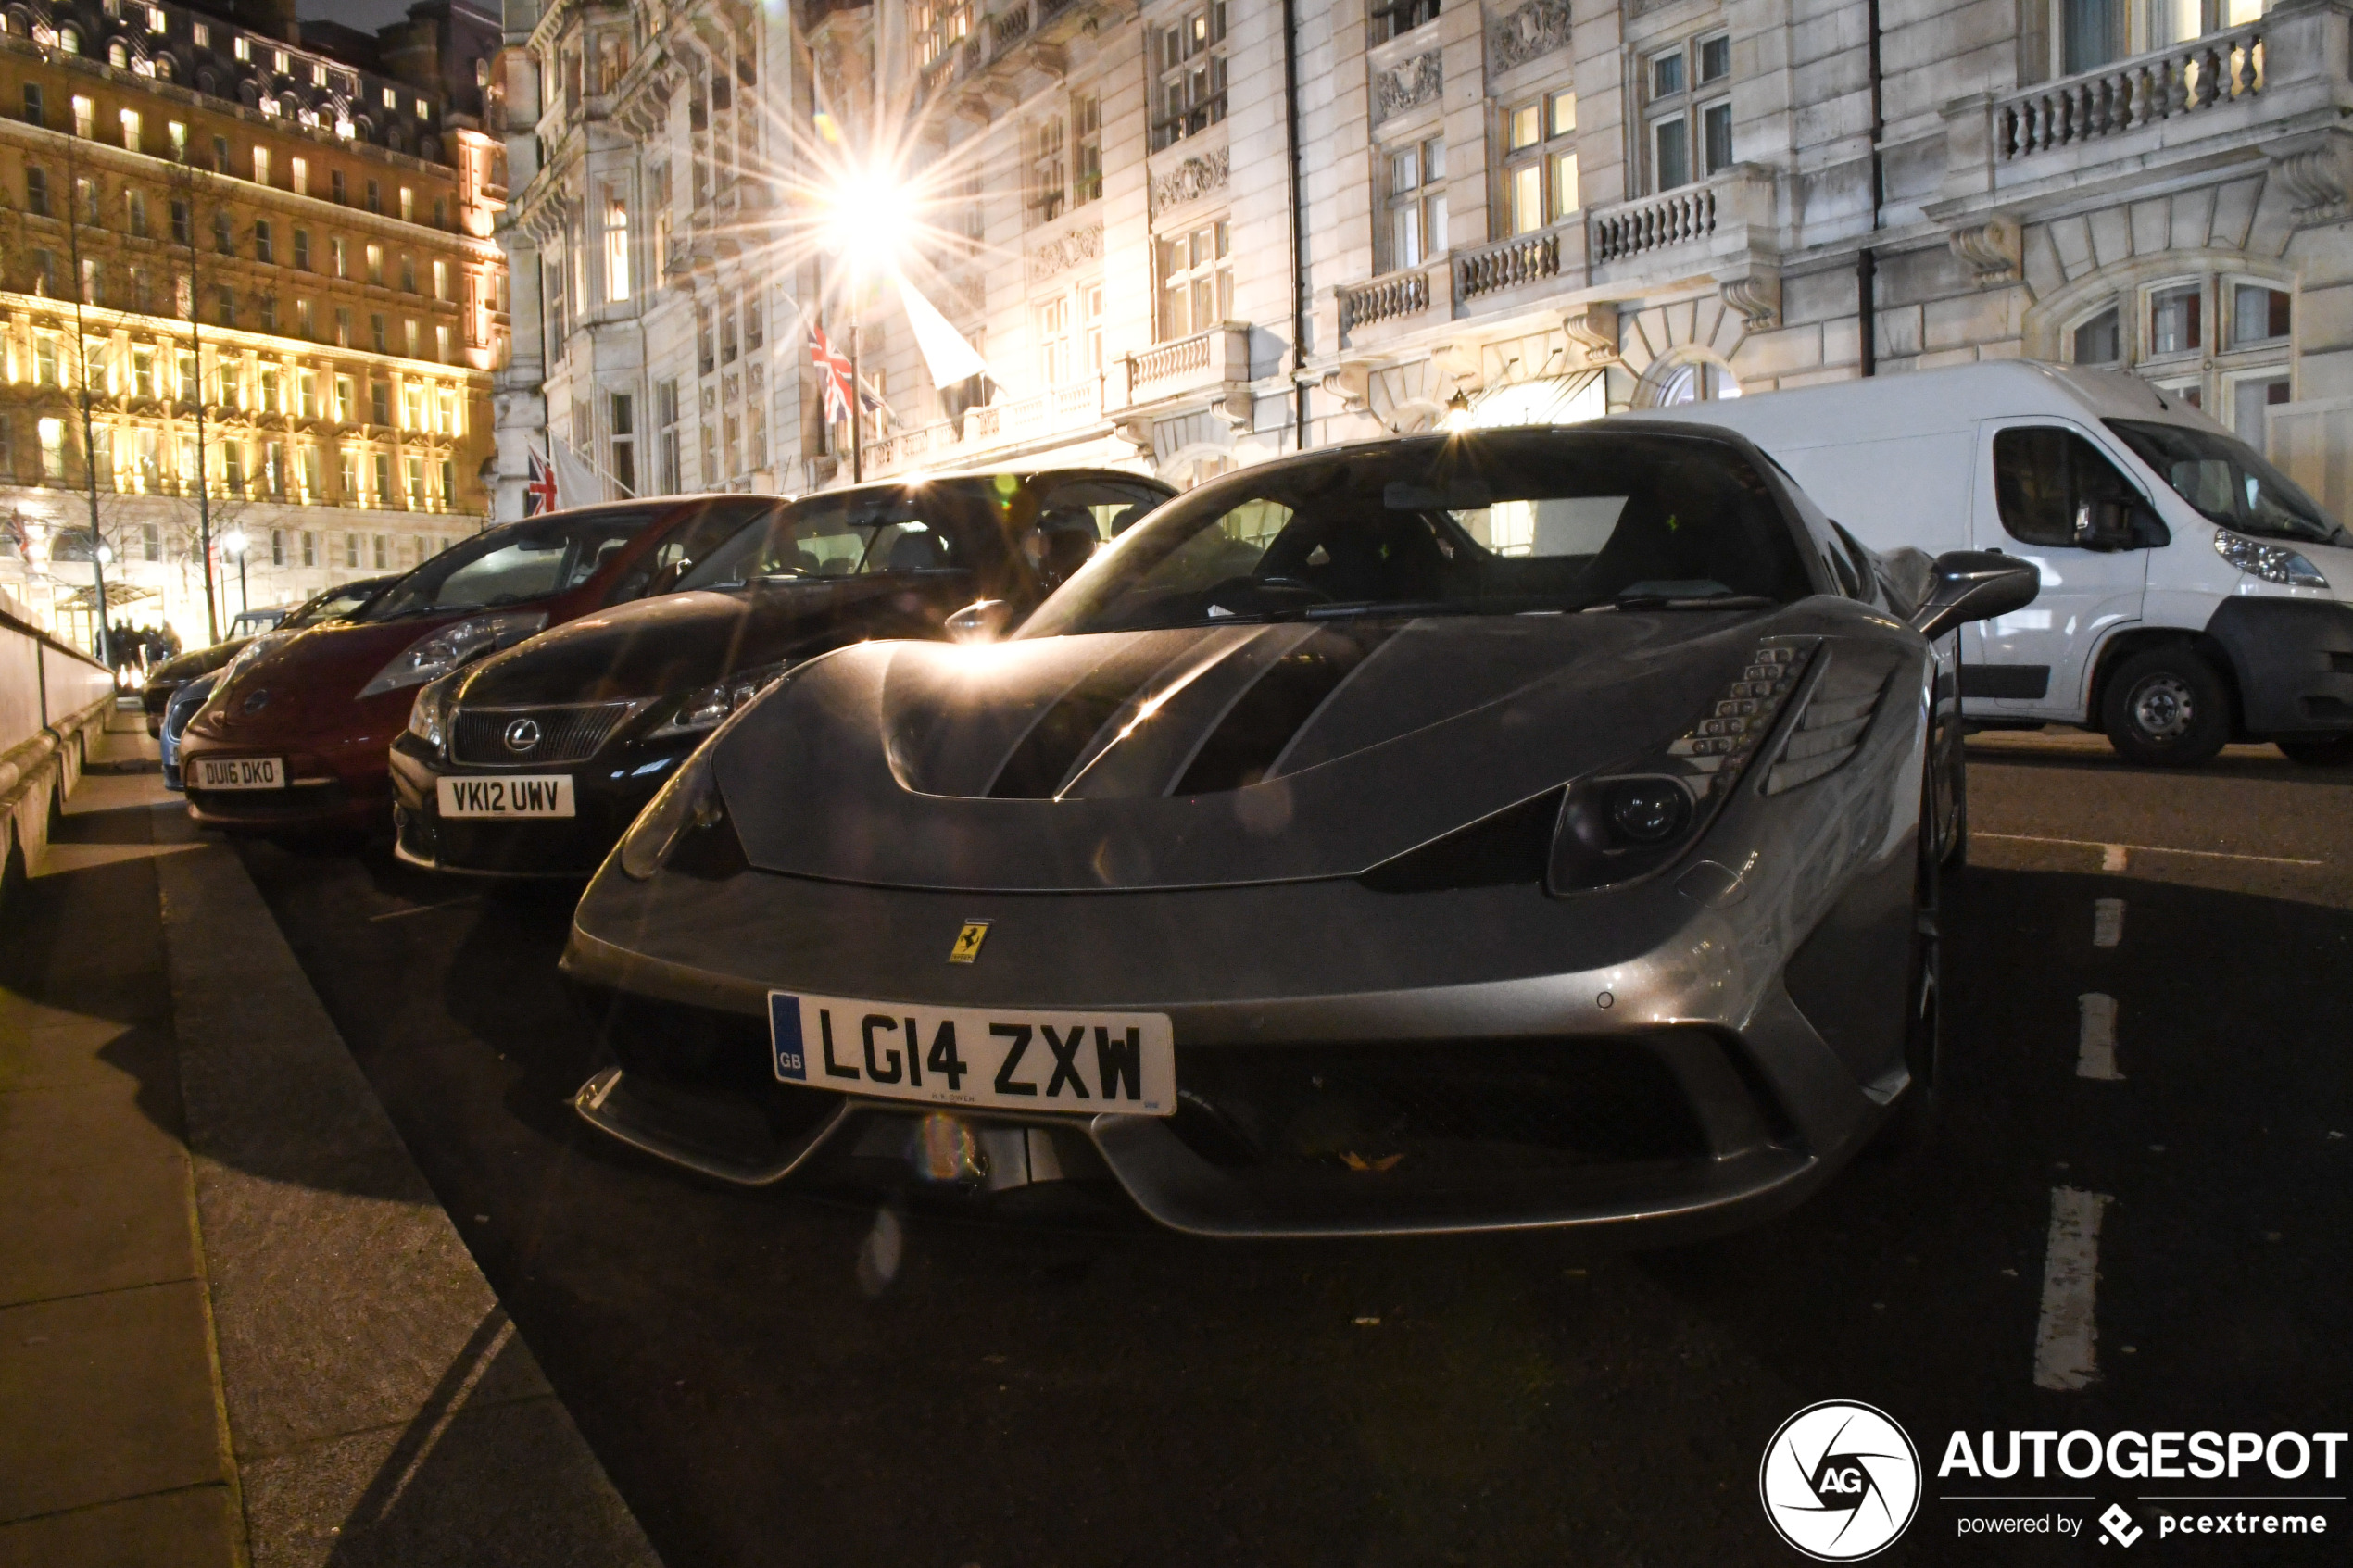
[512,795]
[240,772]
[996,1058]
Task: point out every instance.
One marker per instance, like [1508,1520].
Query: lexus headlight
[2274,563]
[689,801]
[437,653]
[428,713]
[705,707]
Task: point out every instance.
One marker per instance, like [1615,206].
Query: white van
[2192,594]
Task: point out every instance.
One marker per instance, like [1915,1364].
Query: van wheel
[2330,753]
[2167,708]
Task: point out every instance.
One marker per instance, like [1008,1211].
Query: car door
[2046,475]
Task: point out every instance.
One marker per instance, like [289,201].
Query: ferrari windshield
[2229,482]
[1501,523]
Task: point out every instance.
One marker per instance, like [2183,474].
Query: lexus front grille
[529,737]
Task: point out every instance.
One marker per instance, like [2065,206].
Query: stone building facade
[1185,238]
[273,271]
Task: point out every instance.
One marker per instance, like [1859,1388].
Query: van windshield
[2229,482]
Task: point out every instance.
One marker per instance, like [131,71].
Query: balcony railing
[2130,94]
[1674,219]
[1526,259]
[1390,298]
[1069,406]
[1188,364]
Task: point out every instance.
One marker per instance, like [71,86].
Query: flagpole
[857,443]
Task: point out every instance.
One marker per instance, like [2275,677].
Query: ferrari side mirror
[1974,585]
[982,621]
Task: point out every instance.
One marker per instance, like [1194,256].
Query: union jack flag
[832,374]
[539,493]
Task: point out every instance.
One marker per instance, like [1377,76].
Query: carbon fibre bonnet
[1199,757]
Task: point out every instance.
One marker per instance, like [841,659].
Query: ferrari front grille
[531,737]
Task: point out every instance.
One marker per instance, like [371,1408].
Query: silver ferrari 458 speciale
[1535,827]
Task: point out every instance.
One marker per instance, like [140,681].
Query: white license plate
[513,794]
[996,1058]
[240,772]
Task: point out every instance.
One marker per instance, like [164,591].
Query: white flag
[578,481]
[947,355]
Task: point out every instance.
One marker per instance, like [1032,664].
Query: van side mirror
[1975,585]
[982,621]
[2120,525]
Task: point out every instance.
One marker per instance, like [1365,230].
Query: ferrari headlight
[1620,825]
[2274,563]
[705,707]
[689,801]
[437,653]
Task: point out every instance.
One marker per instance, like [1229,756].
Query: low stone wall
[53,698]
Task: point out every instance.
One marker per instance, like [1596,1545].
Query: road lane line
[2112,855]
[2096,1047]
[421,909]
[2066,1334]
[2108,922]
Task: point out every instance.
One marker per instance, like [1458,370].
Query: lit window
[1196,275]
[1416,202]
[1540,163]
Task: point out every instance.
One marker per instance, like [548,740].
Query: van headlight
[437,653]
[2274,563]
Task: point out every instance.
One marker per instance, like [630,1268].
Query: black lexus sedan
[534,762]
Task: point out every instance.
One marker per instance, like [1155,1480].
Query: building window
[1087,138]
[309,547]
[625,442]
[135,202]
[302,250]
[407,273]
[939,25]
[263,250]
[1687,111]
[298,176]
[1048,181]
[221,154]
[33,108]
[383,481]
[1416,202]
[377,339]
[1393,17]
[262,166]
[666,414]
[85,116]
[1539,162]
[131,131]
[1693,379]
[1189,64]
[1053,341]
[2220,343]
[335,192]
[224,233]
[36,192]
[2177,320]
[1196,275]
[616,249]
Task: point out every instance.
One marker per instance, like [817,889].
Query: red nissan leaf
[294,740]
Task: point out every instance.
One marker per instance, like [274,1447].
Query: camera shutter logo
[522,736]
[1841,1481]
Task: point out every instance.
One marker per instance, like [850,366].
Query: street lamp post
[234,543]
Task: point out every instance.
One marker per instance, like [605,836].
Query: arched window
[1693,377]
[117,56]
[69,40]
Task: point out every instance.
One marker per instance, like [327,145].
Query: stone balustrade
[1676,218]
[2182,80]
[1493,269]
[1394,297]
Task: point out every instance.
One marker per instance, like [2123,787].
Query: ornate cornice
[1190,180]
[1406,85]
[1536,29]
[1066,250]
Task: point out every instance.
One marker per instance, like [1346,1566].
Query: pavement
[235,1325]
[2136,1216]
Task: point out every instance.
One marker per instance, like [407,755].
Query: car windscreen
[928,527]
[336,603]
[2230,482]
[1498,523]
[532,559]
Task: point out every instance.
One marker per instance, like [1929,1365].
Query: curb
[381,1407]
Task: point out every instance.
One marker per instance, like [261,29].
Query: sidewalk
[235,1327]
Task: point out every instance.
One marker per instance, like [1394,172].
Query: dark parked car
[338,603]
[1531,828]
[533,761]
[296,739]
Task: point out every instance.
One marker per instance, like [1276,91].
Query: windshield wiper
[1687,601]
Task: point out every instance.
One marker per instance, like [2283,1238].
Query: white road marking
[420,909]
[2096,1047]
[2108,922]
[2112,855]
[2066,1334]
